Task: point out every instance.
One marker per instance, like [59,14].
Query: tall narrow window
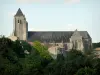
[18,21]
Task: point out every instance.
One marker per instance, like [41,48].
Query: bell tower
[20,25]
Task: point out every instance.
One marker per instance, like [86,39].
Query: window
[56,44]
[24,18]
[18,21]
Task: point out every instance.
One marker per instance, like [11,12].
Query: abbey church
[55,40]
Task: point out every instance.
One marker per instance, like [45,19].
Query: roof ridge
[56,31]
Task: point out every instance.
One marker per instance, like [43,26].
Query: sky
[53,15]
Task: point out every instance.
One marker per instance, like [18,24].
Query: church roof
[19,13]
[53,36]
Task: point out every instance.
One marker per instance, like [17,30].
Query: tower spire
[20,25]
[19,13]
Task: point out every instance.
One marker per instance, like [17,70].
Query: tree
[85,71]
[43,51]
[5,45]
[96,45]
[26,46]
[8,59]
[31,65]
[96,65]
[18,49]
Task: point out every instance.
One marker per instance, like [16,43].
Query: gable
[76,33]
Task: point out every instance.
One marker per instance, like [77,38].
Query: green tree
[96,45]
[18,49]
[43,52]
[85,71]
[32,64]
[96,65]
[26,46]
[8,59]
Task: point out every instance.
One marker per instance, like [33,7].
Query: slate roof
[53,36]
[19,13]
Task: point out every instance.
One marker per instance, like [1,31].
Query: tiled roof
[53,36]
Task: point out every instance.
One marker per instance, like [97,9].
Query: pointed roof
[19,13]
[76,32]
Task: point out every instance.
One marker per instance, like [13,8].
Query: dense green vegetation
[13,60]
[96,45]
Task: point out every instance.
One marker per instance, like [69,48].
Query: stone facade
[20,26]
[76,40]
[57,41]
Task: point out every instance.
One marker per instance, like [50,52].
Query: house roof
[53,36]
[19,13]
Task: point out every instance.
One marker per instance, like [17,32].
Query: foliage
[32,64]
[85,71]
[5,44]
[13,60]
[70,64]
[17,48]
[26,46]
[96,66]
[43,52]
[96,45]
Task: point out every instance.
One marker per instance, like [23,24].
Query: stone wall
[77,41]
[97,53]
[13,38]
[21,27]
[54,48]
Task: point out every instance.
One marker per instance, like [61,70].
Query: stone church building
[57,41]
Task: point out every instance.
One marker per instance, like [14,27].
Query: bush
[85,71]
[13,60]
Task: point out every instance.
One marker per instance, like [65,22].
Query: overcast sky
[53,15]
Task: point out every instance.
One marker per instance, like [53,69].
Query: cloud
[71,1]
[72,27]
[47,1]
[35,1]
[11,13]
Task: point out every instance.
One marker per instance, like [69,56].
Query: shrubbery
[13,60]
